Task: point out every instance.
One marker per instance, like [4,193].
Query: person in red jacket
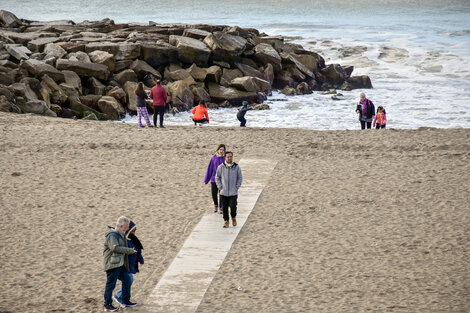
[159,96]
[199,112]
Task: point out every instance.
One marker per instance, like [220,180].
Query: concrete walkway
[183,285]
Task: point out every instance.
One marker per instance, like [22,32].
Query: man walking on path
[159,96]
[228,178]
[116,264]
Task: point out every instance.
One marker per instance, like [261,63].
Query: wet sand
[351,221]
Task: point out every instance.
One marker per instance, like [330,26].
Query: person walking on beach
[200,114]
[366,111]
[141,105]
[134,259]
[217,159]
[228,178]
[116,264]
[380,119]
[159,96]
[241,113]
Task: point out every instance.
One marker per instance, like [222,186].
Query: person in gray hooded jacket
[228,178]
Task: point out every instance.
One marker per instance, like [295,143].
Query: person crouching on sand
[217,159]
[142,105]
[380,118]
[134,259]
[200,114]
[116,264]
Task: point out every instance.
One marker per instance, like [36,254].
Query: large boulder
[118,94]
[103,57]
[99,71]
[56,94]
[125,76]
[38,45]
[17,51]
[358,82]
[39,68]
[225,46]
[37,107]
[313,63]
[229,75]
[249,70]
[234,96]
[198,73]
[181,95]
[200,93]
[72,79]
[277,42]
[8,106]
[266,54]
[130,87]
[8,19]
[289,59]
[214,74]
[120,50]
[79,56]
[95,87]
[179,74]
[269,74]
[142,68]
[333,74]
[191,50]
[111,107]
[248,83]
[195,33]
[54,50]
[159,54]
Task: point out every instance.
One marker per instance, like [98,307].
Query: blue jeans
[119,293]
[111,278]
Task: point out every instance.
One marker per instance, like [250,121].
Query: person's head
[158,81]
[228,157]
[203,103]
[380,109]
[245,103]
[221,149]
[362,96]
[132,228]
[139,89]
[122,224]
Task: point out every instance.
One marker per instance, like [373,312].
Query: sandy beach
[350,221]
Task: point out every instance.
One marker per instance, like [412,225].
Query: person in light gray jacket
[228,178]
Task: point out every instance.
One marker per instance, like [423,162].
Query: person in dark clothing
[366,111]
[142,105]
[241,113]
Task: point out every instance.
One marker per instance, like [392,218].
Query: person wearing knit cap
[241,113]
[134,260]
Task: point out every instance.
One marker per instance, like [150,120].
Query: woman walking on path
[141,105]
[217,159]
[241,113]
[200,114]
[366,111]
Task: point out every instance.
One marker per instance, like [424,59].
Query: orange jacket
[199,112]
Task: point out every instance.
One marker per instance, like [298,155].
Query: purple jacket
[212,168]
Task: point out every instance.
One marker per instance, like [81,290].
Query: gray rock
[118,94]
[266,54]
[225,46]
[125,76]
[159,54]
[111,107]
[80,56]
[181,95]
[39,44]
[191,50]
[40,68]
[129,88]
[19,52]
[249,71]
[142,68]
[90,117]
[7,105]
[358,82]
[99,71]
[248,83]
[8,19]
[103,57]
[195,33]
[234,96]
[37,107]
[95,86]
[229,75]
[120,50]
[72,79]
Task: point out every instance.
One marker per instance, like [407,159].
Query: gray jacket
[115,250]
[228,179]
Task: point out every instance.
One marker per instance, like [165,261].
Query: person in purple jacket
[217,159]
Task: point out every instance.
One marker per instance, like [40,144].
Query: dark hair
[203,103]
[221,146]
[140,89]
[229,152]
[380,107]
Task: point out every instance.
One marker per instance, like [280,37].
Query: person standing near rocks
[241,113]
[116,264]
[200,114]
[366,111]
[159,96]
[217,159]
[229,179]
[142,105]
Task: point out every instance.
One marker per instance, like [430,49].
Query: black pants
[203,121]
[215,194]
[158,109]
[363,124]
[378,126]
[242,120]
[230,201]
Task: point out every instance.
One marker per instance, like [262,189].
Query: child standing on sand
[380,119]
[133,259]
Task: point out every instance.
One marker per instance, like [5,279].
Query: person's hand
[135,251]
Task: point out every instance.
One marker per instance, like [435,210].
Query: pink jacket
[159,96]
[380,118]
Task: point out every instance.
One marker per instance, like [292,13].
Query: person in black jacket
[142,105]
[241,113]
[366,111]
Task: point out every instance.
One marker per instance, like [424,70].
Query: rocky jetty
[90,69]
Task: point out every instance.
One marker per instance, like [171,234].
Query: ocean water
[416,52]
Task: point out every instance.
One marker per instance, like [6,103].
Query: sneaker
[128,304]
[110,308]
[234,221]
[215,210]
[221,211]
[118,300]
[226,224]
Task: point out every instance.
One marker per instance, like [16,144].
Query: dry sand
[351,221]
